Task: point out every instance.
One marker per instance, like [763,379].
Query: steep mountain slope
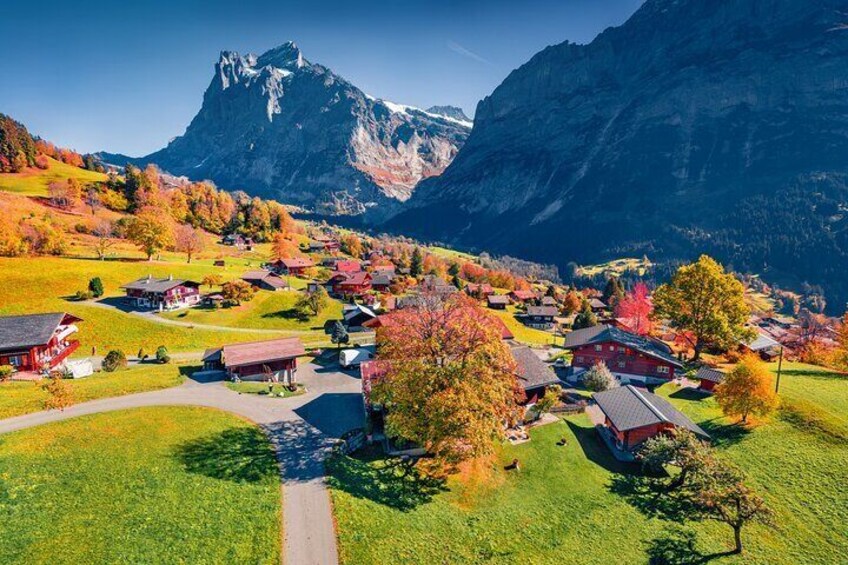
[695,126]
[280,126]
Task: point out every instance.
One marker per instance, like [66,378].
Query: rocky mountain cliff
[279,126]
[696,126]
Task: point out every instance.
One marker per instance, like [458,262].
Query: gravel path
[301,429]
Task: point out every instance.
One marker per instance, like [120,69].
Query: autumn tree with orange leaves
[450,384]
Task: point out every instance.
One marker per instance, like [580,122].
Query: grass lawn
[34,182]
[267,310]
[574,503]
[18,398]
[521,332]
[152,485]
[262,388]
[44,284]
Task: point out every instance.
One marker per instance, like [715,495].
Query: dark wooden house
[257,361]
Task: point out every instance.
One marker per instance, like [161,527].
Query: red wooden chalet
[37,342]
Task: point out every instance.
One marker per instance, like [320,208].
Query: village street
[302,429]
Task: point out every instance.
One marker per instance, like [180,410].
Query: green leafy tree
[585,318]
[95,287]
[707,302]
[613,291]
[681,449]
[548,401]
[162,356]
[6,372]
[598,378]
[722,495]
[114,360]
[339,335]
[416,264]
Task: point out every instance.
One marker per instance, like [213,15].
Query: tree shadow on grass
[689,393]
[648,496]
[597,451]
[288,314]
[241,455]
[823,374]
[722,434]
[390,481]
[678,546]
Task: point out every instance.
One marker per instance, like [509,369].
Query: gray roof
[548,301]
[17,332]
[629,408]
[762,342]
[709,374]
[542,311]
[596,303]
[498,299]
[150,284]
[381,278]
[603,333]
[532,371]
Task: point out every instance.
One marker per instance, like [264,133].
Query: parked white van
[353,357]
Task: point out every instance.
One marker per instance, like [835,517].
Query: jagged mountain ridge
[667,135]
[279,126]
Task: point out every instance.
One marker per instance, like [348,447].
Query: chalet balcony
[62,352]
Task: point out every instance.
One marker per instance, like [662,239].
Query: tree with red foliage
[635,309]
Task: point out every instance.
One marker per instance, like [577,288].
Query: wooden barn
[258,360]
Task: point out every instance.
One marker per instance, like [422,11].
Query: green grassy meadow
[268,310]
[151,485]
[23,397]
[46,284]
[522,333]
[576,503]
[34,182]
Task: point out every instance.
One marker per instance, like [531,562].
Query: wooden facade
[620,358]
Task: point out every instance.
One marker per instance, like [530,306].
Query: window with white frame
[599,348]
[662,369]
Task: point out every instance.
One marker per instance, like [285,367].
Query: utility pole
[779,367]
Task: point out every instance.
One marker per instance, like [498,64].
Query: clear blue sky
[128,76]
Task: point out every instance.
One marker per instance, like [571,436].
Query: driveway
[301,429]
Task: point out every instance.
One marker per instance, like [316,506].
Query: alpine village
[199,367]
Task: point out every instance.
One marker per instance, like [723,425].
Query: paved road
[302,429]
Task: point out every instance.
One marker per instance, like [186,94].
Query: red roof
[256,352]
[347,266]
[296,262]
[355,279]
[523,294]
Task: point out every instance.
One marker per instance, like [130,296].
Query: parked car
[353,357]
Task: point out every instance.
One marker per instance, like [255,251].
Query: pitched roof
[604,333]
[348,266]
[151,284]
[391,320]
[629,408]
[257,352]
[595,303]
[265,276]
[548,301]
[354,279]
[296,262]
[358,309]
[709,374]
[381,279]
[762,342]
[523,294]
[542,311]
[498,299]
[18,332]
[532,371]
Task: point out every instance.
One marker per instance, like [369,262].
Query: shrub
[95,285]
[82,295]
[114,360]
[6,372]
[598,378]
[162,355]
[41,162]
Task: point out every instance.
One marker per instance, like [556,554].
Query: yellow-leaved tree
[747,390]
